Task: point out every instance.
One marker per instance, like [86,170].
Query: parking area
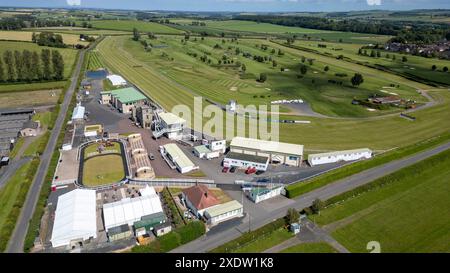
[67,170]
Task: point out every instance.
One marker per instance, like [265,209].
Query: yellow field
[69,39]
[30,98]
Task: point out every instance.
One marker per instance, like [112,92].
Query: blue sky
[239,5]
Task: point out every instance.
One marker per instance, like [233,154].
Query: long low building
[176,158]
[244,161]
[75,218]
[139,154]
[277,152]
[223,212]
[332,157]
[130,210]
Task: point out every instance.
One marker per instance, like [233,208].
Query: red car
[225,169]
[250,170]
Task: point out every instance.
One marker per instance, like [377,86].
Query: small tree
[310,61]
[445,69]
[404,59]
[292,216]
[303,59]
[326,68]
[274,63]
[357,79]
[243,68]
[317,205]
[262,77]
[303,69]
[433,67]
[136,34]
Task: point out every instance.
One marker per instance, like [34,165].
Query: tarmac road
[16,241]
[215,239]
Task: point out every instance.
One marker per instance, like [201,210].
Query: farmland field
[128,25]
[171,82]
[69,39]
[254,28]
[408,213]
[30,98]
[105,169]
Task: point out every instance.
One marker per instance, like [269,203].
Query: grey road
[210,241]
[15,244]
[11,169]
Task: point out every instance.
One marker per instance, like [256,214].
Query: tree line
[417,32]
[48,39]
[28,66]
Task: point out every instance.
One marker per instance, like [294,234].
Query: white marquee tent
[75,217]
[130,210]
[116,80]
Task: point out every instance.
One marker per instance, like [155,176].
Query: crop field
[128,25]
[408,213]
[174,82]
[101,170]
[416,66]
[79,30]
[29,98]
[69,39]
[255,28]
[68,54]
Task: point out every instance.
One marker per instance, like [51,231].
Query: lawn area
[19,143]
[25,87]
[407,211]
[44,118]
[68,39]
[265,242]
[416,66]
[101,170]
[310,248]
[29,98]
[93,149]
[170,83]
[128,25]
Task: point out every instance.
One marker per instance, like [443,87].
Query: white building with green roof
[124,99]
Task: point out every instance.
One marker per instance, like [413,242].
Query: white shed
[116,80]
[332,157]
[75,218]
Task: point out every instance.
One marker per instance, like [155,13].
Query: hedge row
[174,239]
[34,225]
[249,237]
[11,219]
[302,187]
[175,214]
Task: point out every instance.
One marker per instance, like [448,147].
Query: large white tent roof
[116,80]
[78,112]
[130,210]
[75,217]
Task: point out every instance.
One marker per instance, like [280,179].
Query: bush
[174,239]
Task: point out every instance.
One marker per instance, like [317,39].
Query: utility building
[276,152]
[176,159]
[332,157]
[168,124]
[124,99]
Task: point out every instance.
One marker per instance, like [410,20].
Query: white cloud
[73,2]
[373,2]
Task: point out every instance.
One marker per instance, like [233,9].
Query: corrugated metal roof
[223,208]
[128,95]
[268,146]
[178,156]
[335,153]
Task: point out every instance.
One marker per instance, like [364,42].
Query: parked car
[225,169]
[259,172]
[232,169]
[263,180]
[250,170]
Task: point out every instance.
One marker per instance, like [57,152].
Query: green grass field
[172,82]
[409,213]
[68,54]
[101,170]
[416,66]
[128,25]
[259,245]
[20,87]
[310,248]
[93,149]
[94,62]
